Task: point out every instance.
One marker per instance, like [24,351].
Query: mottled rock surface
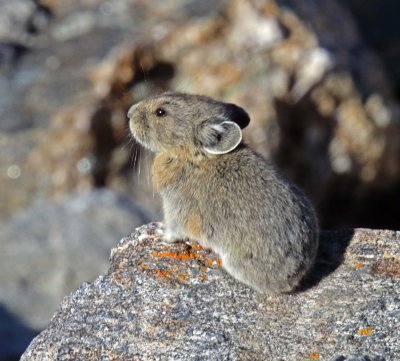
[175,302]
[321,102]
[20,21]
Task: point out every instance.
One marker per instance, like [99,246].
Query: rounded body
[220,193]
[264,229]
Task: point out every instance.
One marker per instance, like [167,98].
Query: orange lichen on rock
[359,265]
[365,331]
[163,274]
[196,246]
[315,355]
[183,276]
[209,262]
[184,251]
[176,255]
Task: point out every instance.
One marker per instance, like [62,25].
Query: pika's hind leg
[241,271]
[256,274]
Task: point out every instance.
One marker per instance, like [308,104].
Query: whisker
[139,164]
[145,76]
[148,171]
[134,157]
[132,150]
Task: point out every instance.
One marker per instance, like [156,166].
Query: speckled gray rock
[357,358]
[50,249]
[20,19]
[174,302]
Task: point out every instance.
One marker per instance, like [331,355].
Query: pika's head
[189,122]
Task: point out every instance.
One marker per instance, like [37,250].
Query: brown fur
[166,169]
[220,193]
[194,225]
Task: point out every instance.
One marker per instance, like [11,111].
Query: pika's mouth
[136,127]
[140,134]
[140,129]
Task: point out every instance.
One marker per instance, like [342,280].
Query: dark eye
[160,112]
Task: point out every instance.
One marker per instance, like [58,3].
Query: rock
[51,248]
[175,302]
[19,22]
[321,102]
[317,103]
[377,21]
[357,358]
[66,131]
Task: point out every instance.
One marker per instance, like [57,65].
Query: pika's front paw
[165,233]
[171,237]
[160,231]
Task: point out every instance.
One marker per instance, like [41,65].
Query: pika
[220,193]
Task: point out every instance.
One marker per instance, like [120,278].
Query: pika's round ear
[220,138]
[238,115]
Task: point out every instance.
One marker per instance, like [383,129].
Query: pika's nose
[132,110]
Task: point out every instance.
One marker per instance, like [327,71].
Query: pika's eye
[160,112]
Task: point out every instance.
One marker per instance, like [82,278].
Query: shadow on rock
[15,336]
[332,247]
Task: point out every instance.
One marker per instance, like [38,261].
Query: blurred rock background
[320,80]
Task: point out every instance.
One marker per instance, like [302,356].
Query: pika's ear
[220,138]
[237,115]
